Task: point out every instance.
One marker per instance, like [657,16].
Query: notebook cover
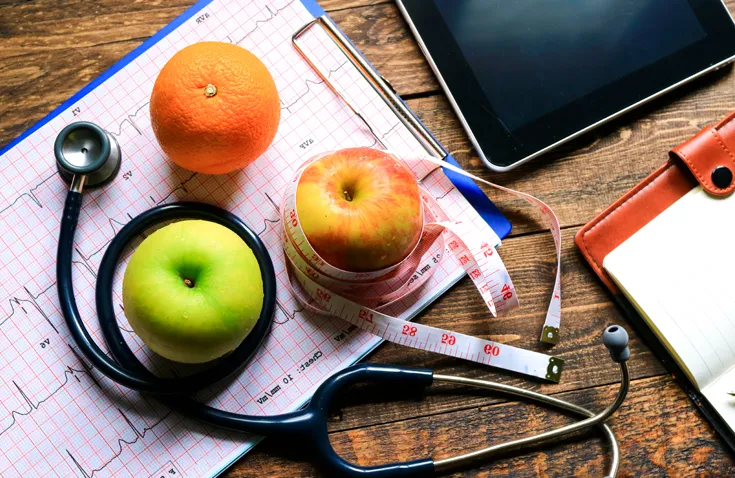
[691,163]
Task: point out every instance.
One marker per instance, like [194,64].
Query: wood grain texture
[332,5]
[50,49]
[586,311]
[660,434]
[381,33]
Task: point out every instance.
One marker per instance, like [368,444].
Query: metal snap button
[722,177]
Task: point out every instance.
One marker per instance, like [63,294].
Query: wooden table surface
[50,49]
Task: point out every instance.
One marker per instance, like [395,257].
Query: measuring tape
[359,297]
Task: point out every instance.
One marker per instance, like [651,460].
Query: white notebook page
[679,272]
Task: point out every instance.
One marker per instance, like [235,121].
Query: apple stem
[189,283]
[347,195]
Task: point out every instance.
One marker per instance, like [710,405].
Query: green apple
[192,291]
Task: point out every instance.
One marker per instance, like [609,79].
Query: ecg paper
[60,417]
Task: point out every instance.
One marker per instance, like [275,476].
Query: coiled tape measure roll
[358,298]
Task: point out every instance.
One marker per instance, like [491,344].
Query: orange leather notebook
[665,251]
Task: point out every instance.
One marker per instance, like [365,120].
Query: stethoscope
[87,156]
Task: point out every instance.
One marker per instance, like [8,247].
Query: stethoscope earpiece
[83,149]
[615,339]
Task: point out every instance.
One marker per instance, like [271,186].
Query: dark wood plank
[49,50]
[331,5]
[659,432]
[382,35]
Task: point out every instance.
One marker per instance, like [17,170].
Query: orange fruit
[214,108]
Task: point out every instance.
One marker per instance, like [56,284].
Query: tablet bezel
[502,149]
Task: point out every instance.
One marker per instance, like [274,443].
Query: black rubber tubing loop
[310,422]
[130,372]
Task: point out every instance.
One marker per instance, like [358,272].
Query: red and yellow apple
[360,209]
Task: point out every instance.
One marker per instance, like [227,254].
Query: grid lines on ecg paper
[60,418]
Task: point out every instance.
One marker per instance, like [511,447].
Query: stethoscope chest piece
[85,149]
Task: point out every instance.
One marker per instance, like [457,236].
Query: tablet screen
[527,75]
[532,57]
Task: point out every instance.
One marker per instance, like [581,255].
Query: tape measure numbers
[359,297]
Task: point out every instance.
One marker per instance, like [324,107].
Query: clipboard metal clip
[381,86]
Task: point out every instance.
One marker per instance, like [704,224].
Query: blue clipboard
[469,189]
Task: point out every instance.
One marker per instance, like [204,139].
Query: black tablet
[527,75]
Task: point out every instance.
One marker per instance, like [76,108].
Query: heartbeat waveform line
[290,315]
[84,263]
[180,187]
[120,326]
[30,194]
[298,98]
[112,223]
[32,300]
[267,221]
[87,367]
[69,373]
[392,128]
[129,120]
[273,14]
[309,82]
[446,193]
[377,139]
[138,434]
[86,259]
[115,226]
[335,70]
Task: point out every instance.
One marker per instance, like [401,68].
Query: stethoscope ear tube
[68,303]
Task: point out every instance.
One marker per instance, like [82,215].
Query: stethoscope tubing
[311,422]
[591,419]
[127,370]
[134,375]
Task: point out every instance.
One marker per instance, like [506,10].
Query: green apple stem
[189,283]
